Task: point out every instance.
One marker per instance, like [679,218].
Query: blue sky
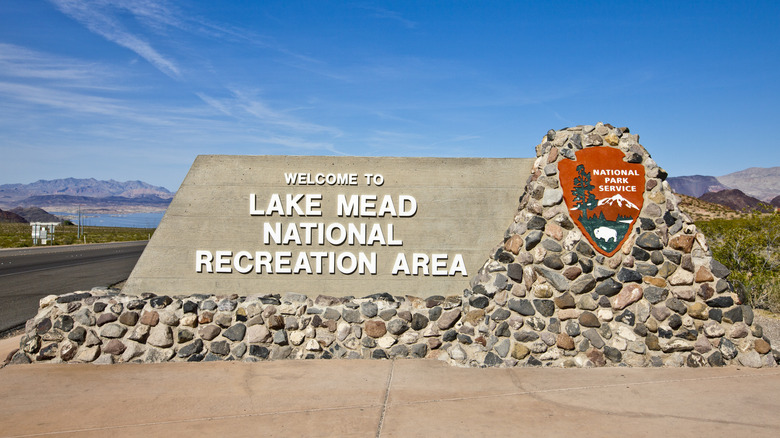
[136,89]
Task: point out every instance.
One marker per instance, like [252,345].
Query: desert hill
[9,216]
[734,199]
[757,182]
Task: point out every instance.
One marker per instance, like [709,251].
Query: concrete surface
[365,398]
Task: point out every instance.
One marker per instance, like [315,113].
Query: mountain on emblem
[619,200]
[604,195]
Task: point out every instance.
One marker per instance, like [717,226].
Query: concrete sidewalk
[366,398]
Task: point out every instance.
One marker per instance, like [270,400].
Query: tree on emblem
[583,198]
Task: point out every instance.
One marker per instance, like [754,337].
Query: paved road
[29,274]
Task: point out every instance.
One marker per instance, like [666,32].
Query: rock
[104,319]
[280,337]
[543,291]
[572,272]
[368,309]
[479,301]
[532,239]
[733,315]
[376,329]
[513,244]
[557,280]
[457,353]
[698,310]
[676,345]
[718,270]
[588,319]
[515,272]
[649,241]
[596,357]
[114,346]
[565,301]
[586,302]
[209,332]
[565,342]
[544,307]
[593,336]
[113,330]
[739,330]
[129,318]
[397,326]
[655,294]
[235,333]
[721,301]
[630,294]
[419,321]
[727,349]
[160,302]
[702,345]
[583,284]
[676,305]
[151,318]
[683,242]
[526,336]
[448,319]
[88,354]
[258,334]
[716,359]
[629,276]
[613,354]
[750,359]
[609,287]
[703,275]
[681,277]
[160,336]
[220,348]
[552,197]
[762,346]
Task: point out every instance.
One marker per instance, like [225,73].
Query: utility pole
[78,232]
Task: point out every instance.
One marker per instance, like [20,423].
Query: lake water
[130,220]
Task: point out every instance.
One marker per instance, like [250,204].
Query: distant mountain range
[759,182]
[71,193]
[736,200]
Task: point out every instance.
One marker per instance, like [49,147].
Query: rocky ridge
[543,298]
[736,200]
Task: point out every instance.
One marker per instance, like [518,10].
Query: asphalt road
[29,274]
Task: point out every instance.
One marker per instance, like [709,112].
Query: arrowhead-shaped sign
[604,195]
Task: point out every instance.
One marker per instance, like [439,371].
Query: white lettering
[203,259]
[223,262]
[241,269]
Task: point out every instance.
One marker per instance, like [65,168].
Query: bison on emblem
[605,233]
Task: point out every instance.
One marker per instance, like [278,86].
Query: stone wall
[543,298]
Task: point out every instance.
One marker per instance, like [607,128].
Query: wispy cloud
[242,104]
[390,15]
[20,62]
[98,17]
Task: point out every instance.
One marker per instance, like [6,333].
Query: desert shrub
[749,246]
[19,235]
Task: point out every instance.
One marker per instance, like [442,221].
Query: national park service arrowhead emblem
[604,195]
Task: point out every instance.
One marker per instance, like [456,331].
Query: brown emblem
[604,195]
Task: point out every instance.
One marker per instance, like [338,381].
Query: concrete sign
[338,226]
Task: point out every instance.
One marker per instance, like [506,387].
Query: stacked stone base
[105,327]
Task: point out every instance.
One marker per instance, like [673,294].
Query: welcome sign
[330,225]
